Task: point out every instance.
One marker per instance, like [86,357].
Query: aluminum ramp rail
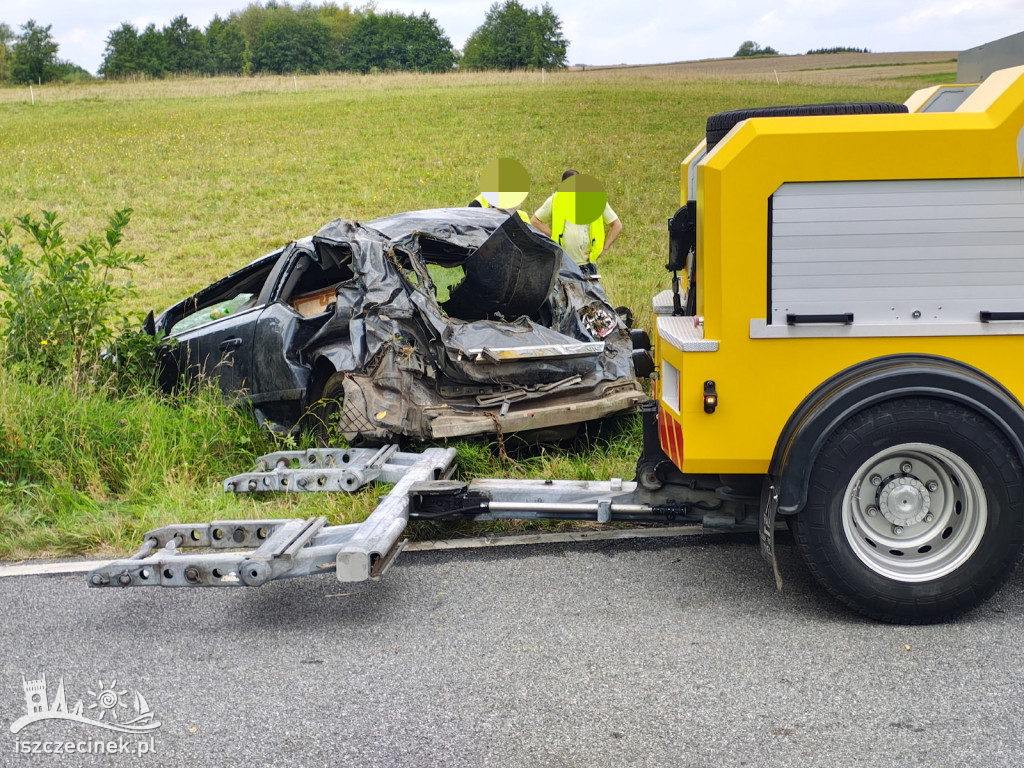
[252,552]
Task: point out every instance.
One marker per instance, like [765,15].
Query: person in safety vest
[585,242]
[481,202]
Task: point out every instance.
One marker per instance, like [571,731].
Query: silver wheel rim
[914,512]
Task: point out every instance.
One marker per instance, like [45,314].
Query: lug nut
[897,529]
[906,467]
[876,479]
[872,511]
[929,517]
[932,486]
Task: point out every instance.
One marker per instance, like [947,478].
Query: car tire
[915,511]
[720,124]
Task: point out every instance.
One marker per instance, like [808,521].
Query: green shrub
[63,308]
[91,454]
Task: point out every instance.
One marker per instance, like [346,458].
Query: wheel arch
[874,381]
[323,368]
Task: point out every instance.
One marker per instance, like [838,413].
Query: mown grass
[219,174]
[921,81]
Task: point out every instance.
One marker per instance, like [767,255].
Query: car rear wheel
[915,511]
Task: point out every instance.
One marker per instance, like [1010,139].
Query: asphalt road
[676,652]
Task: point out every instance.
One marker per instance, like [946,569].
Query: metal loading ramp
[234,553]
[248,553]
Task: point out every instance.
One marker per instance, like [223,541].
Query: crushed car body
[428,325]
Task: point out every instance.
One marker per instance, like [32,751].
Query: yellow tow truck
[850,339]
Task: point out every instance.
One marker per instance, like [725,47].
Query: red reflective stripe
[677,435]
[663,432]
[670,434]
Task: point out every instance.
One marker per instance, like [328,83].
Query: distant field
[220,171]
[833,68]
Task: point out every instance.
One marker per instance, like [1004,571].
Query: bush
[750,48]
[63,309]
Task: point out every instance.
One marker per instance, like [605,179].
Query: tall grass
[90,472]
[218,174]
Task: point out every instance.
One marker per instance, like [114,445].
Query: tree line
[279,38]
[750,48]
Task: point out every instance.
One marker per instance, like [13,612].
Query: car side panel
[221,349]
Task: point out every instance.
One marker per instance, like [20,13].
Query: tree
[34,55]
[6,54]
[69,72]
[393,41]
[251,19]
[152,52]
[186,47]
[226,46]
[293,42]
[837,49]
[750,48]
[514,37]
[342,19]
[121,56]
[549,45]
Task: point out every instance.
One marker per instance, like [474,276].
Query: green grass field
[220,172]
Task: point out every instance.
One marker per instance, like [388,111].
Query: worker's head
[569,173]
[584,197]
[504,183]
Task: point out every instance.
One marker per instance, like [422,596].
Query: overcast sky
[602,31]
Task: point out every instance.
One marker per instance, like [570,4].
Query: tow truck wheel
[915,511]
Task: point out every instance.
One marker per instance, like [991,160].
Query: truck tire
[720,124]
[915,511]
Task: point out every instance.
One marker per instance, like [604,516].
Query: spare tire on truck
[720,124]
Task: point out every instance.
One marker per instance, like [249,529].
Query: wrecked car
[428,325]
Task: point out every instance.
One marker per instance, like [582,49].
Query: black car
[429,324]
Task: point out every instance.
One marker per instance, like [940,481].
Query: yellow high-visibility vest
[484,204]
[560,210]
